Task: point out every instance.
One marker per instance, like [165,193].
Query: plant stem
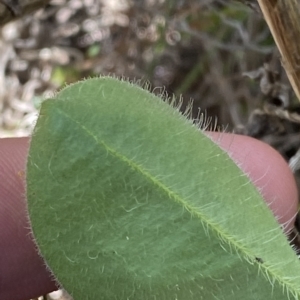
[283,19]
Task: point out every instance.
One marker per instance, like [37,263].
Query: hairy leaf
[129,200]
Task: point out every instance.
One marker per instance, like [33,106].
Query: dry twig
[283,18]
[13,9]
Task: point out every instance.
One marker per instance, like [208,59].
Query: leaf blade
[132,195]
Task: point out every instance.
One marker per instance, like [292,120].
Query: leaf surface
[129,200]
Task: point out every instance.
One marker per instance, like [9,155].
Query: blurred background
[198,49]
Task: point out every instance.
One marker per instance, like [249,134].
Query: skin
[23,274]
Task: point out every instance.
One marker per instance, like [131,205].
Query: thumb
[23,273]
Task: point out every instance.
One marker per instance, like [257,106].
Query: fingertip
[268,171]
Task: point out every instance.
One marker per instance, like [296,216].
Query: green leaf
[129,200]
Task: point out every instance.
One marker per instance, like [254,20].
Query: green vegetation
[129,200]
